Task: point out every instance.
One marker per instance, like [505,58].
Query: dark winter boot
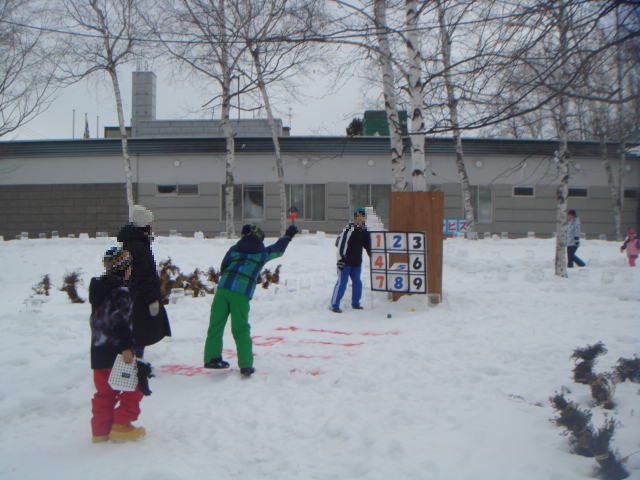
[247,371]
[144,374]
[216,363]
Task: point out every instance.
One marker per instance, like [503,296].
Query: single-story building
[75,186]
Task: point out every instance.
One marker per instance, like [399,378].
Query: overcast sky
[326,110]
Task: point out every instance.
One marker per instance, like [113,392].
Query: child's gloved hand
[144,374]
[291,231]
[154,308]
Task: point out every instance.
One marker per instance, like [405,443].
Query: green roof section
[375,124]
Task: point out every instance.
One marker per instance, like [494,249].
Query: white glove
[154,308]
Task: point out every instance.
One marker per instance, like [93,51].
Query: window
[376,196]
[187,189]
[179,189]
[167,189]
[482,201]
[309,200]
[631,193]
[523,192]
[248,202]
[484,204]
[252,202]
[578,192]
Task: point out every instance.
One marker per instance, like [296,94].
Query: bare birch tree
[560,64]
[556,65]
[398,167]
[204,36]
[416,95]
[27,67]
[109,37]
[614,120]
[446,41]
[274,62]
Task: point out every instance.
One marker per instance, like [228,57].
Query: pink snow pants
[110,406]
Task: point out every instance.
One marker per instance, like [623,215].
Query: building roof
[307,145]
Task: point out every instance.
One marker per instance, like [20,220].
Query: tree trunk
[620,196]
[398,181]
[229,167]
[276,141]
[562,192]
[617,194]
[418,162]
[452,104]
[123,138]
[616,205]
[227,129]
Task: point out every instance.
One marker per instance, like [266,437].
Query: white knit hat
[140,216]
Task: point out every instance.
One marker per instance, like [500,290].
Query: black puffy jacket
[145,287]
[353,239]
[111,328]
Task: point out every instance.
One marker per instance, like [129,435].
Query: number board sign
[398,262]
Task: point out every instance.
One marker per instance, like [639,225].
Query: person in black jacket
[111,334]
[353,239]
[150,320]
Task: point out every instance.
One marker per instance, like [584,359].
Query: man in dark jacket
[239,274]
[353,239]
[150,321]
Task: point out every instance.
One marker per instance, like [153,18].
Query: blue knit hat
[359,210]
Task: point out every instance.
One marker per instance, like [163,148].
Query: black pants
[572,257]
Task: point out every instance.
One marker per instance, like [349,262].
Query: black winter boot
[216,363]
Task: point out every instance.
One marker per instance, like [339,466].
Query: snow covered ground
[456,391]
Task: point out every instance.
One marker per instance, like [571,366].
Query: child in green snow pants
[225,303]
[239,272]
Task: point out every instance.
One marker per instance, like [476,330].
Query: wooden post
[424,212]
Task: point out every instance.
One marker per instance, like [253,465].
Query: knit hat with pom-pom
[140,216]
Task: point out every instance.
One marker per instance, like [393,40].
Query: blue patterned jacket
[243,262]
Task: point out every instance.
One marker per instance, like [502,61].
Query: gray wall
[77,186]
[68,209]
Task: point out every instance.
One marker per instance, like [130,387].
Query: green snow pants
[225,303]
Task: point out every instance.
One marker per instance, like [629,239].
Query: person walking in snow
[631,244]
[239,273]
[112,334]
[573,239]
[150,320]
[351,242]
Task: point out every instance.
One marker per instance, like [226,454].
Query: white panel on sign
[377,241]
[397,282]
[378,261]
[417,284]
[396,241]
